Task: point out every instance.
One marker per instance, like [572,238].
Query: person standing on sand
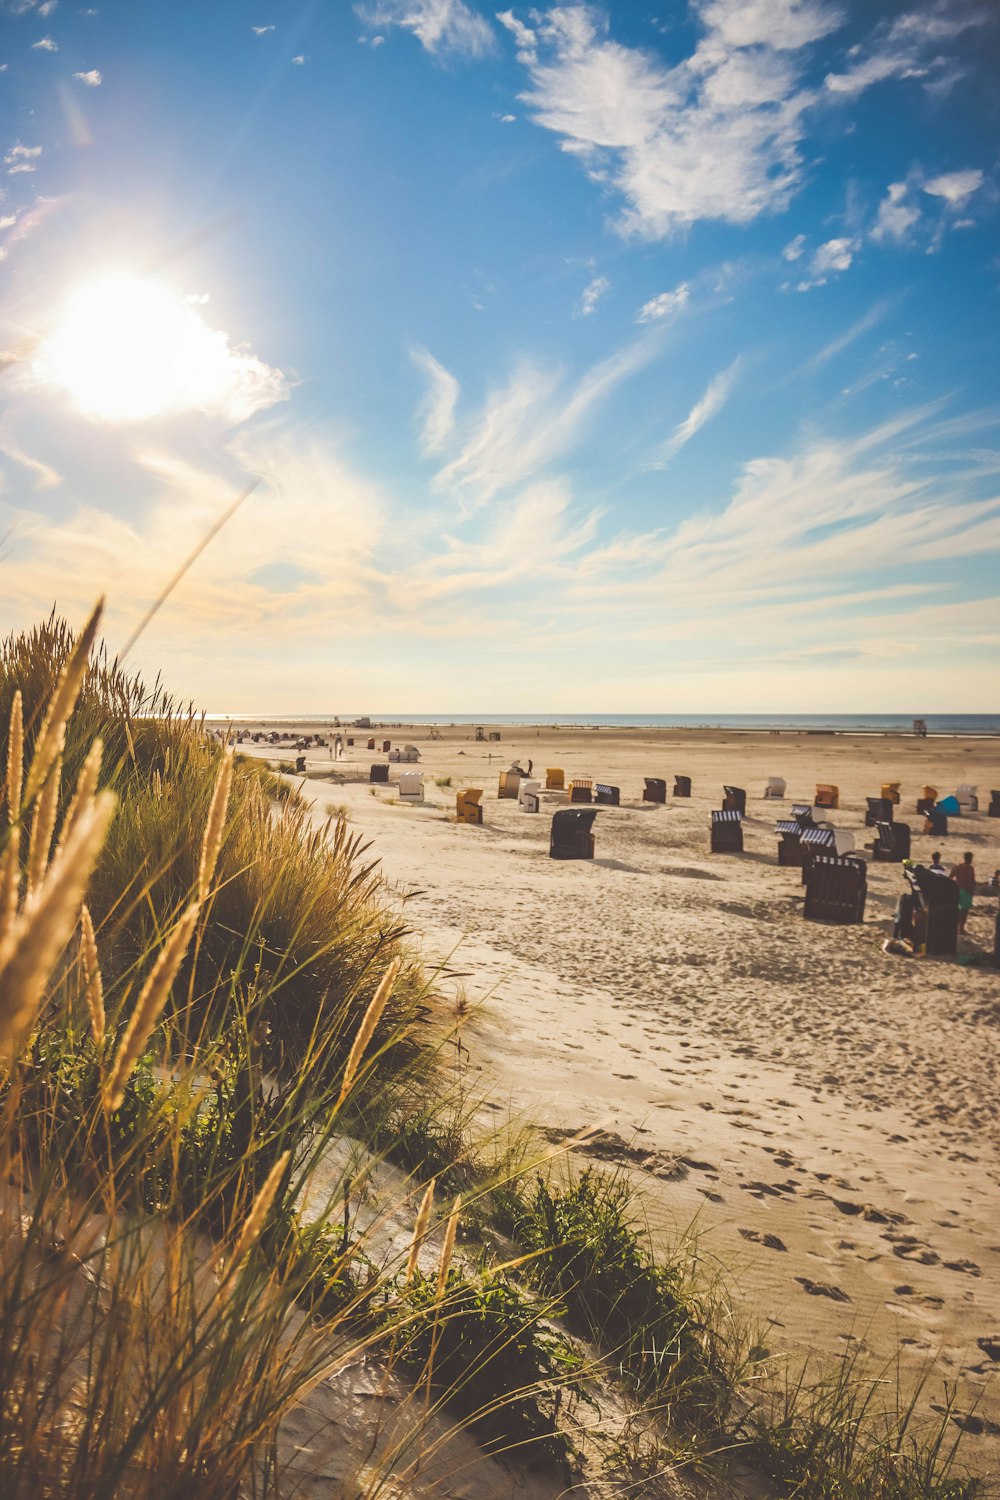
[964,876]
[936,864]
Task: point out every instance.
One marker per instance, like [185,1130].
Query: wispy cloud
[533,420]
[827,260]
[911,46]
[93,78]
[897,214]
[44,44]
[714,137]
[262,30]
[956,188]
[591,295]
[443,27]
[708,405]
[437,411]
[857,330]
[666,305]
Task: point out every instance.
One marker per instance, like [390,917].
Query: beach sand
[822,1114]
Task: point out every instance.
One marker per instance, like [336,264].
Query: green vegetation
[220,1082]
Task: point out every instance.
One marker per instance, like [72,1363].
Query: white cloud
[843,341]
[437,411]
[45,44]
[507,119]
[93,79]
[714,137]
[665,305]
[21,153]
[897,214]
[532,420]
[441,26]
[299,60]
[705,408]
[47,7]
[262,30]
[523,35]
[835,255]
[908,47]
[794,248]
[591,295]
[46,477]
[956,188]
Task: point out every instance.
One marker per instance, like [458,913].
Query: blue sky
[623,357]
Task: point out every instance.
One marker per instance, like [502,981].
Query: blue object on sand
[950,807]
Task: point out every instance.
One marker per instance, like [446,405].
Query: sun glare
[127,349]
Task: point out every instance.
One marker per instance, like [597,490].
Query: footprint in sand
[769,1241]
[823,1289]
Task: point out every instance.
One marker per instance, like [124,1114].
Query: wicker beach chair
[371,744]
[827,795]
[300,764]
[993,811]
[467,806]
[836,890]
[775,789]
[411,786]
[581,790]
[789,842]
[394,757]
[892,844]
[607,796]
[655,790]
[734,800]
[509,784]
[890,791]
[936,822]
[379,773]
[386,746]
[727,831]
[879,811]
[926,800]
[555,779]
[968,797]
[571,836]
[935,919]
[682,786]
[823,838]
[528,799]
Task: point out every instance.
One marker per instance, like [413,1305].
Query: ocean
[949,724]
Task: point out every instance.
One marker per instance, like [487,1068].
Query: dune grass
[201,999]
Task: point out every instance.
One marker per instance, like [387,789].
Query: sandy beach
[821,1114]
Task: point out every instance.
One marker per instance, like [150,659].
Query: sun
[126,348]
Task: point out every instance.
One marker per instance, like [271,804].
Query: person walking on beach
[936,864]
[964,876]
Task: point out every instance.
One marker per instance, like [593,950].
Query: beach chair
[936,823]
[993,811]
[827,795]
[394,757]
[581,790]
[935,919]
[879,811]
[411,786]
[410,754]
[926,800]
[467,808]
[607,796]
[350,744]
[300,764]
[655,790]
[682,786]
[734,800]
[775,789]
[836,890]
[555,779]
[968,797]
[371,744]
[480,734]
[892,844]
[509,785]
[890,791]
[571,836]
[528,798]
[727,832]
[494,735]
[386,746]
[789,842]
[823,838]
[379,773]
[950,806]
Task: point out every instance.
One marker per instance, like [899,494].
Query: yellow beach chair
[510,784]
[555,779]
[890,792]
[827,795]
[467,808]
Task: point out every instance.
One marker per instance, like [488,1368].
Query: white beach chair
[775,788]
[409,753]
[528,798]
[411,786]
[393,757]
[968,798]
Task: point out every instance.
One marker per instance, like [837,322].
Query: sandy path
[825,1114]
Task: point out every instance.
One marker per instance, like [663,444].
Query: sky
[621,358]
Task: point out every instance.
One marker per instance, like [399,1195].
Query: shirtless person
[964,876]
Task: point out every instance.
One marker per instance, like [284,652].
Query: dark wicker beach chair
[682,786]
[727,831]
[655,791]
[581,790]
[993,811]
[571,836]
[379,773]
[734,800]
[879,811]
[836,889]
[936,822]
[371,744]
[607,796]
[300,764]
[892,844]
[790,842]
[935,919]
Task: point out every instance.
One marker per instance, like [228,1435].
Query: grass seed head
[150,1003]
